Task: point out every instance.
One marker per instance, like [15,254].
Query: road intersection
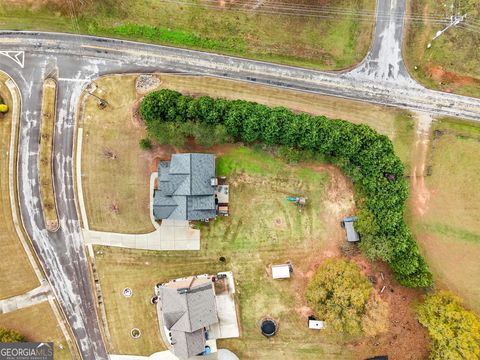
[76,60]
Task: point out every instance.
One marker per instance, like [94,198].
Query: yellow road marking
[8,40]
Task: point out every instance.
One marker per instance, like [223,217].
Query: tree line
[364,155]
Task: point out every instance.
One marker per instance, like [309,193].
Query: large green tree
[339,295]
[9,335]
[454,331]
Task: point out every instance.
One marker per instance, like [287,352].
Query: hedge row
[363,154]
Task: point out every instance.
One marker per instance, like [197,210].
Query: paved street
[76,60]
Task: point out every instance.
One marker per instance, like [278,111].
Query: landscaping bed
[45,165]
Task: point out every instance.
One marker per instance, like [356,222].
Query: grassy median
[47,131]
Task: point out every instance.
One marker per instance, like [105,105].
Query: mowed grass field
[17,274]
[124,180]
[449,231]
[325,34]
[263,228]
[115,172]
[38,324]
[452,64]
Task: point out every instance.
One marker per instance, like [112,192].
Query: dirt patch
[439,74]
[420,193]
[405,338]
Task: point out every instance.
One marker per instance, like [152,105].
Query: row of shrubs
[364,155]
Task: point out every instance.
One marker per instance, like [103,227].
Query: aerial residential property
[236,180]
[195,311]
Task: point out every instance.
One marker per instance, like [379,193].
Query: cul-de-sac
[239,179]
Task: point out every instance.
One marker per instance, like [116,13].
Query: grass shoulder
[269,32]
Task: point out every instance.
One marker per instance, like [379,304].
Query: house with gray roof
[189,308]
[186,188]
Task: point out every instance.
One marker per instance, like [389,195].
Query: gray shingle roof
[186,314]
[184,188]
[186,344]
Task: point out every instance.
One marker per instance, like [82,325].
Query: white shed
[316,324]
[281,271]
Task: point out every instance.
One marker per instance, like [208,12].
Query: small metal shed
[348,224]
[316,324]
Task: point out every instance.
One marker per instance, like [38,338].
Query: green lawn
[263,228]
[238,28]
[449,231]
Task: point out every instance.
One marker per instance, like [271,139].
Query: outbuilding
[316,324]
[281,271]
[348,224]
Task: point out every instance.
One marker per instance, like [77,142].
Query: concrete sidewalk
[33,297]
[171,235]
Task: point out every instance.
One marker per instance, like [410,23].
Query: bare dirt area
[420,193]
[448,80]
[405,338]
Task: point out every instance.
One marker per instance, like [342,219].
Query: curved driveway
[76,60]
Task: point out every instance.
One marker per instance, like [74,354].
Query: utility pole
[454,21]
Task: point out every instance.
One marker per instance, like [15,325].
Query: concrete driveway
[171,235]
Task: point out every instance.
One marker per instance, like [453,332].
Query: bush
[364,155]
[454,331]
[146,144]
[8,335]
[339,293]
[3,108]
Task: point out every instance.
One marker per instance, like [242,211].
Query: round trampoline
[268,327]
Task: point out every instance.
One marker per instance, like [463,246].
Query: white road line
[17,56]
[73,80]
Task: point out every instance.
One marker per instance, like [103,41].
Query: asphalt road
[76,60]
